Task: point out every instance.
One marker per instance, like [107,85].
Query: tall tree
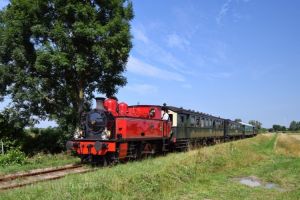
[255,123]
[298,126]
[293,126]
[55,53]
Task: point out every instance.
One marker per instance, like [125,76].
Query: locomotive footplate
[86,147]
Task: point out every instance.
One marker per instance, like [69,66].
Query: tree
[238,120]
[298,126]
[255,123]
[12,124]
[277,127]
[54,54]
[293,126]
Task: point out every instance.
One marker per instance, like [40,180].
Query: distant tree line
[277,127]
[294,126]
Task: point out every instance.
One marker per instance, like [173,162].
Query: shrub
[44,140]
[13,156]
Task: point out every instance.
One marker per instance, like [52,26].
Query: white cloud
[144,69]
[186,86]
[175,40]
[228,6]
[140,35]
[157,53]
[142,89]
[223,12]
[219,75]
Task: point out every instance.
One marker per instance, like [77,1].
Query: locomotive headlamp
[105,134]
[108,133]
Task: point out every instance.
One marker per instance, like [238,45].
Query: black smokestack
[99,103]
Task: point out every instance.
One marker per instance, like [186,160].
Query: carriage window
[193,120]
[181,118]
[171,117]
[202,122]
[207,123]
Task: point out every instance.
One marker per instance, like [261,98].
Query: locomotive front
[95,137]
[97,123]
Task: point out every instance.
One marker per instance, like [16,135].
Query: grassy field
[40,161]
[206,173]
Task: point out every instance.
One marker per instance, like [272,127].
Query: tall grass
[206,173]
[288,145]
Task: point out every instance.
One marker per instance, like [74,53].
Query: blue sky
[230,58]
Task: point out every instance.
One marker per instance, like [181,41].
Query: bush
[44,140]
[13,156]
[9,143]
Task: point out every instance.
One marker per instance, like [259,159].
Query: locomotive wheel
[99,161]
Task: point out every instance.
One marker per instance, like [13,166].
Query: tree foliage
[12,124]
[54,54]
[255,123]
[294,126]
[277,127]
[238,120]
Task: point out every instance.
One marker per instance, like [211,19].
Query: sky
[229,58]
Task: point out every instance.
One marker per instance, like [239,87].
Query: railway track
[17,180]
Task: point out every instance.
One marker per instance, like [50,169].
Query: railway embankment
[206,173]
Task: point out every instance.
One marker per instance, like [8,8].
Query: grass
[206,173]
[40,161]
[288,144]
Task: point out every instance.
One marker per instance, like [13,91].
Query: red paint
[111,106]
[135,128]
[123,150]
[144,112]
[83,148]
[123,109]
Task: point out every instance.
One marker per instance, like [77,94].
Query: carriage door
[166,128]
[226,124]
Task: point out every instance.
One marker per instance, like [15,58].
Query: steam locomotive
[114,132]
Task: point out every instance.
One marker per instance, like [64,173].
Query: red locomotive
[115,131]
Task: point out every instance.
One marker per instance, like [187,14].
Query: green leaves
[50,50]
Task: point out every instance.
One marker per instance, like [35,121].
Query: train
[113,132]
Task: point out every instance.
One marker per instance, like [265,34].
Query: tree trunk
[80,102]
